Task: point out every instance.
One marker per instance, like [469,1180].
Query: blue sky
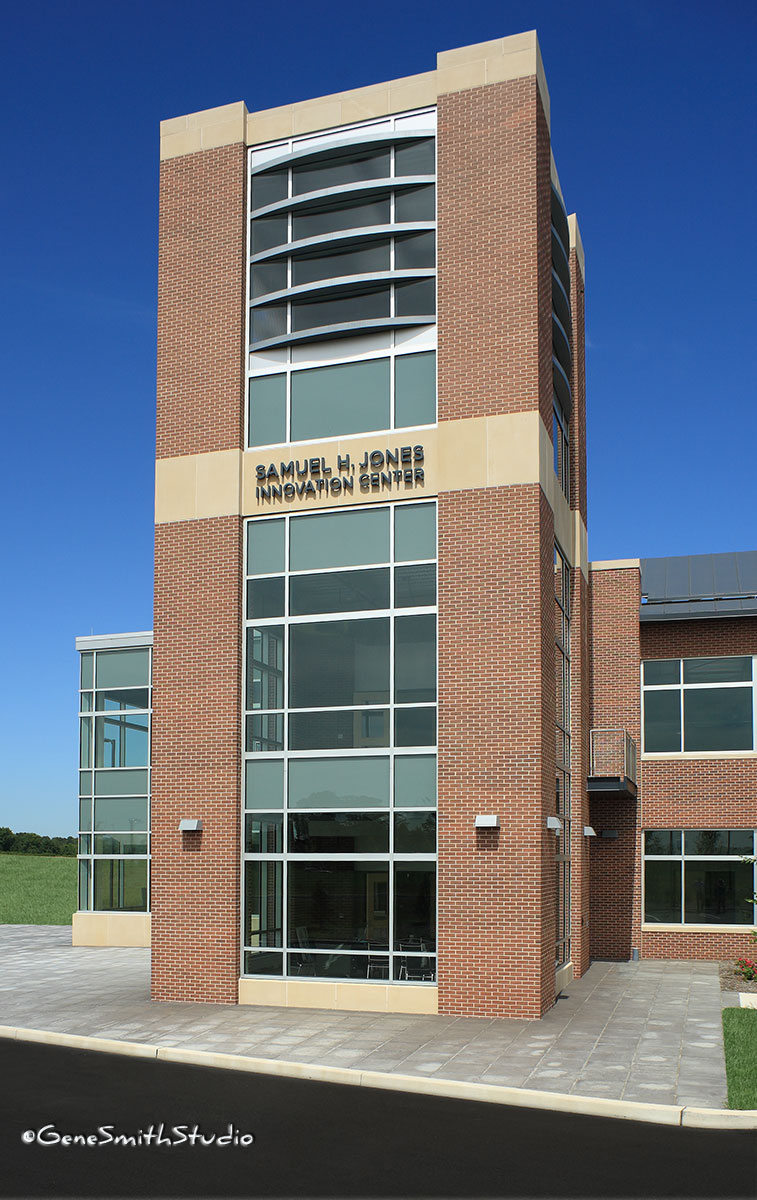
[652,125]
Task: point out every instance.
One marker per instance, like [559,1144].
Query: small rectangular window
[349,398]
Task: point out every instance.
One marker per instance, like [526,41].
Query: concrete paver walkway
[648,1031]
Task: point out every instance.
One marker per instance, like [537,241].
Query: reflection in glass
[717,670]
[662,841]
[415,906]
[415,658]
[120,884]
[415,781]
[339,539]
[265,666]
[263,834]
[662,891]
[339,591]
[265,598]
[339,966]
[85,702]
[662,722]
[263,962]
[339,905]
[719,841]
[339,730]
[415,968]
[263,896]
[122,741]
[339,662]
[87,669]
[339,782]
[122,699]
[663,670]
[84,875]
[121,814]
[715,893]
[717,719]
[264,784]
[415,586]
[121,843]
[415,833]
[415,727]
[123,668]
[264,733]
[349,398]
[339,833]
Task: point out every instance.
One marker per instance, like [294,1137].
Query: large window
[114,780]
[395,391]
[699,877]
[340,745]
[698,705]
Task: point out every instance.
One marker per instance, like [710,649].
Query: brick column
[198,584]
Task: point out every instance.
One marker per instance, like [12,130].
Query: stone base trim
[110,929]
[344,997]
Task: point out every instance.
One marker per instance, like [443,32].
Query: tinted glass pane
[269,188]
[85,783]
[662,841]
[662,722]
[717,670]
[123,814]
[415,727]
[339,783]
[339,591]
[415,250]
[122,741]
[339,730]
[415,781]
[264,784]
[85,814]
[85,701]
[415,299]
[373,256]
[267,232]
[345,399]
[415,833]
[356,306]
[263,834]
[717,719]
[85,844]
[415,389]
[339,662]
[339,966]
[263,896]
[263,962]
[123,668]
[264,733]
[414,968]
[339,906]
[265,597]
[715,893]
[339,833]
[415,204]
[265,666]
[415,587]
[268,277]
[719,841]
[85,742]
[122,699]
[665,670]
[415,906]
[662,892]
[415,158]
[339,539]
[87,670]
[121,843]
[340,216]
[268,416]
[415,659]
[265,547]
[120,885]
[414,531]
[374,164]
[268,322]
[84,869]
[121,783]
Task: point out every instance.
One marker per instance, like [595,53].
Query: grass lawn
[740,1037]
[37,889]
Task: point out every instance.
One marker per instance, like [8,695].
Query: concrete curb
[624,1110]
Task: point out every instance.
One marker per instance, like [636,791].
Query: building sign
[396,470]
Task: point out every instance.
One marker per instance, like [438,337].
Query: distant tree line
[36,843]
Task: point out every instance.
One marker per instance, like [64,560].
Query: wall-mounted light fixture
[487,821]
[555,824]
[589,831]
[190,825]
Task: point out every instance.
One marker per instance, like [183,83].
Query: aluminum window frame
[682,687]
[683,858]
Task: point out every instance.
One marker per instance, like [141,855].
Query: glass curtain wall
[562,755]
[339,822]
[114,780]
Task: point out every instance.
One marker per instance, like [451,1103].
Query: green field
[37,889]
[740,1038]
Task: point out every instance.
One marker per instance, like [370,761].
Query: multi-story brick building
[380,657]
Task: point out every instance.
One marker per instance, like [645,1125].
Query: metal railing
[613,753]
